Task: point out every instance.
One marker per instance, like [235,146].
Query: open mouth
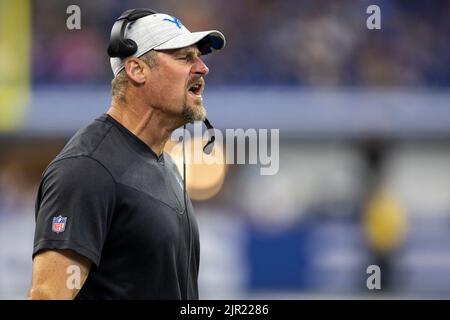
[196,89]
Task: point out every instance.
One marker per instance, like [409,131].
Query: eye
[187,57]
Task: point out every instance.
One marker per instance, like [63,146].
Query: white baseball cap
[161,32]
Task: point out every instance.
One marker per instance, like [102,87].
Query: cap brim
[215,40]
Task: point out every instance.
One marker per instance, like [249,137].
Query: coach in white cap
[112,218]
[165,49]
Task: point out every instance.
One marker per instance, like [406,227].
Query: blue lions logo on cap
[175,21]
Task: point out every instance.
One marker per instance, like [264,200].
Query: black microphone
[210,144]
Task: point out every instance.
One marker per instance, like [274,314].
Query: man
[111,207]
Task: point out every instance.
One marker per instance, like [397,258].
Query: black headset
[121,47]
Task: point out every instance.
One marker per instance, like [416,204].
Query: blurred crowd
[289,42]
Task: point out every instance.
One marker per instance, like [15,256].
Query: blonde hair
[120,83]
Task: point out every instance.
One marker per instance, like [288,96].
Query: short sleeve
[74,207]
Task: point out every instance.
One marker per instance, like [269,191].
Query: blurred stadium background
[364,119]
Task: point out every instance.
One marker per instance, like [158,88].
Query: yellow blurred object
[385,222]
[203,180]
[14,62]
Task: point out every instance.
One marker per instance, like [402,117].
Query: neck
[150,125]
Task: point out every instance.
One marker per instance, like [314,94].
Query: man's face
[176,84]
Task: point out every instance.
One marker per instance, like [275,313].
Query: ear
[135,70]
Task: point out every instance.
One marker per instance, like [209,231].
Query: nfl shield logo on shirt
[59,224]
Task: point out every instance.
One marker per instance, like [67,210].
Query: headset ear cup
[113,50]
[119,46]
[129,47]
[122,49]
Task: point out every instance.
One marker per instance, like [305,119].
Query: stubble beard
[195,112]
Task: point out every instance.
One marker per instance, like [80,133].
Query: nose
[200,67]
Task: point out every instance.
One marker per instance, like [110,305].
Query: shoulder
[86,140]
[96,148]
[77,171]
